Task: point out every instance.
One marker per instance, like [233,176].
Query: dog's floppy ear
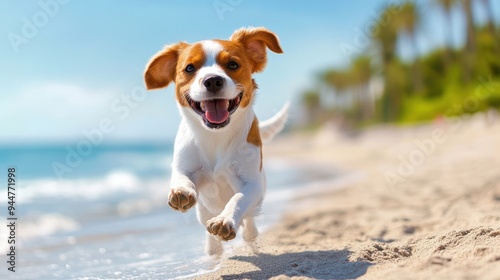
[255,40]
[160,70]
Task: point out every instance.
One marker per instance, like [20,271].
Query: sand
[437,217]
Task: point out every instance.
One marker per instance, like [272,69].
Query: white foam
[47,224]
[135,206]
[207,264]
[152,261]
[116,181]
[43,225]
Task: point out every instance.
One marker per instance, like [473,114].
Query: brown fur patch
[255,41]
[247,47]
[193,54]
[254,137]
[242,76]
[161,68]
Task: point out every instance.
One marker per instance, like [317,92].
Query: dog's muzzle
[215,112]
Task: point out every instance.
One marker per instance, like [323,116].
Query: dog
[217,161]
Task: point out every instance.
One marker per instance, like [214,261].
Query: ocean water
[103,215]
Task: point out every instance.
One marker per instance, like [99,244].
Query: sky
[70,69]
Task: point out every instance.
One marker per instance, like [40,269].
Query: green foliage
[455,100]
[443,82]
[311,99]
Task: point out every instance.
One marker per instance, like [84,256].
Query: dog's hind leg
[250,231]
[213,246]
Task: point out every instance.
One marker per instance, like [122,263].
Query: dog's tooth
[202,105]
[227,104]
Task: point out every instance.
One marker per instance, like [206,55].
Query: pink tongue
[216,111]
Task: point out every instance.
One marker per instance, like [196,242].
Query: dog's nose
[213,83]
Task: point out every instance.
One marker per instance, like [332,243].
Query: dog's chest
[216,188]
[216,181]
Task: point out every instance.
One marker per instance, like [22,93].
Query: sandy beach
[422,202]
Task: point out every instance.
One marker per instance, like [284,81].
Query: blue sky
[87,56]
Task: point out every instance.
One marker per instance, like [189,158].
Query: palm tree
[386,40]
[446,6]
[407,22]
[361,73]
[491,24]
[312,102]
[339,82]
[489,13]
[470,43]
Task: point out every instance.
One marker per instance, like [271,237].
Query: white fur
[269,128]
[211,68]
[218,166]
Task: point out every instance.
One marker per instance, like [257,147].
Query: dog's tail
[269,128]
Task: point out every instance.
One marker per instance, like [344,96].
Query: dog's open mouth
[216,113]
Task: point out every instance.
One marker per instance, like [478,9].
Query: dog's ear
[256,40]
[160,70]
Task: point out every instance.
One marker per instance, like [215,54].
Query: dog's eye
[190,68]
[232,65]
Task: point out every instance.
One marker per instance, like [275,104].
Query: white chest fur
[219,164]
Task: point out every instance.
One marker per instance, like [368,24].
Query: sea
[102,213]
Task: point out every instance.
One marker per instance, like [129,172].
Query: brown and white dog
[217,161]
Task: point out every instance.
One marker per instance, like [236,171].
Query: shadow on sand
[314,264]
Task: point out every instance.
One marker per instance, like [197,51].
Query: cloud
[61,112]
[51,110]
[54,95]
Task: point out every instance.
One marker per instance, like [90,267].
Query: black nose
[213,83]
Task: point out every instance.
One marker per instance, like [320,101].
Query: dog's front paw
[181,200]
[222,227]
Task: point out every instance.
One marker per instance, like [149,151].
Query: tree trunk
[491,25]
[418,83]
[470,44]
[448,57]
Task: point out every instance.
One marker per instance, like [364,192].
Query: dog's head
[213,78]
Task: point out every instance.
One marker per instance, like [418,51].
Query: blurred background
[92,147]
[410,62]
[68,65]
